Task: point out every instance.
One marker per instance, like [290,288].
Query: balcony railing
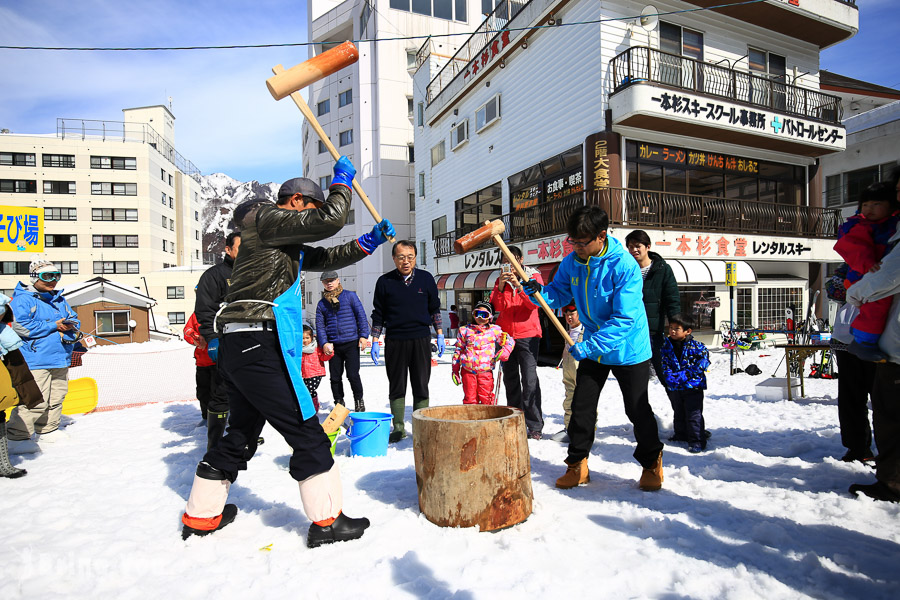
[662,210]
[642,64]
[492,26]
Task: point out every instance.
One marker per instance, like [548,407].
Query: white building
[703,128]
[368,112]
[115,199]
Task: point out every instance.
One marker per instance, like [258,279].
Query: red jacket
[518,314]
[313,363]
[191,335]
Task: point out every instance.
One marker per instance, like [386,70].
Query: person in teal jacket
[49,329]
[606,286]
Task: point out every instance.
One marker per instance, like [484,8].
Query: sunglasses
[482,313]
[49,276]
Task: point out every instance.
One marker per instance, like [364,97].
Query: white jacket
[881,284]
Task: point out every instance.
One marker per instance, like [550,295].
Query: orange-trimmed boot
[576,474]
[652,479]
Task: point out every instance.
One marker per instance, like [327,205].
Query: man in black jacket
[210,292]
[261,349]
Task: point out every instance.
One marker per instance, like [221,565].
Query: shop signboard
[21,229]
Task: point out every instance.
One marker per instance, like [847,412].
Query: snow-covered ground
[764,513]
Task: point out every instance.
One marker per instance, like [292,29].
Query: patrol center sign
[21,229]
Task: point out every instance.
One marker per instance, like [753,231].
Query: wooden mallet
[492,230]
[288,82]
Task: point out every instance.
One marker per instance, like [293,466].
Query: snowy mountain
[219,194]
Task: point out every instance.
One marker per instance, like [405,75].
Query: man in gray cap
[342,330]
[261,349]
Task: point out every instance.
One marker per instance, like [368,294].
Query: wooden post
[472,466]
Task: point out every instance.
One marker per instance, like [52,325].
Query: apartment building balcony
[643,209]
[659,91]
[820,22]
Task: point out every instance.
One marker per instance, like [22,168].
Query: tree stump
[472,466]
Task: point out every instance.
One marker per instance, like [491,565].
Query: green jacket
[661,298]
[268,262]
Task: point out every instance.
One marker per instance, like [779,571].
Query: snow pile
[764,513]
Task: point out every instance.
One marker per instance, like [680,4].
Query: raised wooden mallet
[288,82]
[492,230]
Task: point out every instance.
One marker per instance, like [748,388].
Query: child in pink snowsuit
[477,353]
[312,365]
[862,243]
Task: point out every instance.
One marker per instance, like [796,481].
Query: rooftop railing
[642,64]
[663,210]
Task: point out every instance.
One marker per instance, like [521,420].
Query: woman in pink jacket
[477,353]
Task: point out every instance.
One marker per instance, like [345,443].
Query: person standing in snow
[606,285]
[478,348]
[406,304]
[342,331]
[260,353]
[569,368]
[684,364]
[49,328]
[210,290]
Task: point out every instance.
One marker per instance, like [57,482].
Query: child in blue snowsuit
[684,363]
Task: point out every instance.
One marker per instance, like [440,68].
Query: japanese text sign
[21,229]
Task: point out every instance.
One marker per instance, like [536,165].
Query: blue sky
[226,121]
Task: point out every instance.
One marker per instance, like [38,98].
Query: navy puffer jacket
[347,323]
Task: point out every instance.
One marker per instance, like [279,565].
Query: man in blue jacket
[606,285]
[51,328]
[341,330]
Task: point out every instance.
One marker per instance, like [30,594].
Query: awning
[485,280]
[696,272]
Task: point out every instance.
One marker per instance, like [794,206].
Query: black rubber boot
[215,428]
[228,515]
[342,530]
[6,468]
[360,405]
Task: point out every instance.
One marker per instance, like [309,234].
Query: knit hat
[38,266]
[483,305]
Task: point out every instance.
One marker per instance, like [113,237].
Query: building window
[59,187]
[322,148]
[412,154]
[197,254]
[118,266]
[162,174]
[171,202]
[438,152]
[488,113]
[834,191]
[422,253]
[9,267]
[346,137]
[176,318]
[164,198]
[323,107]
[410,60]
[325,182]
[165,222]
[58,160]
[351,217]
[459,134]
[410,107]
[449,10]
[744,310]
[175,292]
[68,267]
[170,179]
[771,305]
[364,18]
[438,226]
[112,321]
[420,114]
[60,214]
[17,159]
[857,181]
[769,86]
[412,202]
[345,98]
[18,186]
[120,163]
[113,189]
[165,246]
[196,215]
[114,214]
[196,235]
[422,185]
[114,241]
[60,241]
[473,210]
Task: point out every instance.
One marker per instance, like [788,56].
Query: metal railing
[641,64]
[492,27]
[127,132]
[663,210]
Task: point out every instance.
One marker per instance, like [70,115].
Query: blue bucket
[368,433]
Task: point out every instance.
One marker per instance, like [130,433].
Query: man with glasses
[606,286]
[50,330]
[406,304]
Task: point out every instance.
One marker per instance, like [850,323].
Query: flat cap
[301,185]
[328,275]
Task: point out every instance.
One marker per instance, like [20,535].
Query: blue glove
[379,235]
[441,345]
[578,351]
[343,172]
[376,351]
[212,348]
[531,287]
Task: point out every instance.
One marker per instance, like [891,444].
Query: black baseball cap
[303,186]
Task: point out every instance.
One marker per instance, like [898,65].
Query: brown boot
[576,474]
[651,479]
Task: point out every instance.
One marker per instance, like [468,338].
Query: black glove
[531,287]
